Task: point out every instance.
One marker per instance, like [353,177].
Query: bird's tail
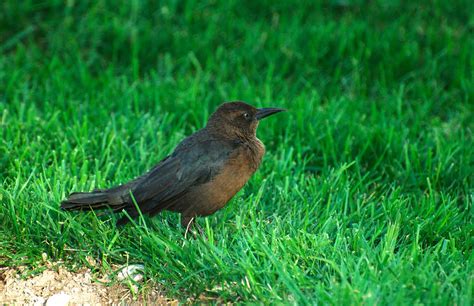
[99,199]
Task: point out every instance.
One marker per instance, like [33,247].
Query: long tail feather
[85,200]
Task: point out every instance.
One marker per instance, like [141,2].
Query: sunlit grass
[365,194]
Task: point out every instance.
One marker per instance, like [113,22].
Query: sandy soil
[81,287]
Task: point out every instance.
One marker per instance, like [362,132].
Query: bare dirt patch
[81,287]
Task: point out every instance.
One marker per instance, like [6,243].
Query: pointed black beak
[268,111]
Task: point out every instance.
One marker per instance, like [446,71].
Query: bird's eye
[246,115]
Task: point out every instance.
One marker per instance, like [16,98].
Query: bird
[198,178]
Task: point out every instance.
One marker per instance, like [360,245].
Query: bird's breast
[235,172]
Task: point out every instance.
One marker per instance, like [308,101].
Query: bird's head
[239,119]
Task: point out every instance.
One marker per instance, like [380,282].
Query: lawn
[365,194]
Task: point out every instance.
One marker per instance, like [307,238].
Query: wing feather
[195,161]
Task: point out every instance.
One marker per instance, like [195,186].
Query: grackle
[202,174]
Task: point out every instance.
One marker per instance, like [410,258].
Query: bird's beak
[268,111]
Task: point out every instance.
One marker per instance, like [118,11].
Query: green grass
[365,195]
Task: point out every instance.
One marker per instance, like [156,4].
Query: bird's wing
[195,161]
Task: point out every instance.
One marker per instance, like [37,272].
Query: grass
[365,195]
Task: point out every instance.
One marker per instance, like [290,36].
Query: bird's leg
[189,222]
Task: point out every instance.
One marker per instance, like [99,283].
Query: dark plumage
[202,174]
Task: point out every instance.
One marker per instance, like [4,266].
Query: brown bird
[202,174]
